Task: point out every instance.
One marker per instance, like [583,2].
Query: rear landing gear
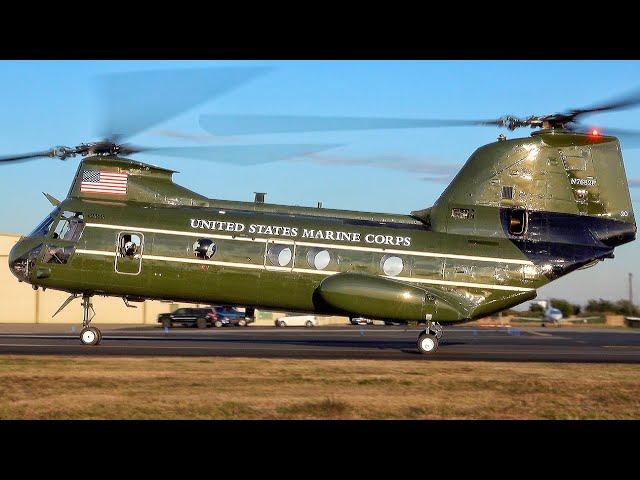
[429,339]
[89,335]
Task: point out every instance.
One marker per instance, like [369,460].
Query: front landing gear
[429,339]
[89,335]
[427,343]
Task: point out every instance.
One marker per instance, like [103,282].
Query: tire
[427,343]
[242,322]
[167,323]
[309,324]
[281,323]
[201,323]
[90,336]
[217,323]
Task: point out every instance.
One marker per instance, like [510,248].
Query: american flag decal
[98,181]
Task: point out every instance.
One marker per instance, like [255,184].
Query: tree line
[596,307]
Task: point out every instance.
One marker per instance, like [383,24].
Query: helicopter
[519,214]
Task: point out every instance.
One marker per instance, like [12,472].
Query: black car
[204,317]
[231,316]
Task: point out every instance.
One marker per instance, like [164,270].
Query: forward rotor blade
[242,154]
[26,156]
[133,102]
[257,124]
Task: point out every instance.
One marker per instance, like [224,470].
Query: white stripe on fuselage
[306,270]
[313,244]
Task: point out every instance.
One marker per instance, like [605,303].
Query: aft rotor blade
[243,154]
[627,138]
[133,102]
[26,156]
[622,102]
[258,124]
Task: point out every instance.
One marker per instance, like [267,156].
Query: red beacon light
[595,133]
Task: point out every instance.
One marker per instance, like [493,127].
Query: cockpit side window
[56,254]
[69,227]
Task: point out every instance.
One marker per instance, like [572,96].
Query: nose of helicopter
[19,257]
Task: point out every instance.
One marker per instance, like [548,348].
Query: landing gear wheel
[427,343]
[90,336]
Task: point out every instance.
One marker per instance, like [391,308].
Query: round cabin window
[279,255]
[204,248]
[391,265]
[318,258]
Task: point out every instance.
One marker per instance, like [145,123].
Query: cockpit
[43,227]
[69,226]
[56,234]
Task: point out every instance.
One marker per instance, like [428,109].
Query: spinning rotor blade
[628,100]
[258,124]
[241,154]
[627,138]
[27,156]
[133,102]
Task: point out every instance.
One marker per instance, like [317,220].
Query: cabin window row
[282,255]
[289,255]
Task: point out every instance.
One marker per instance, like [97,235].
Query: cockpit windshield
[43,228]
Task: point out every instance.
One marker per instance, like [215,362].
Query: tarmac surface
[469,343]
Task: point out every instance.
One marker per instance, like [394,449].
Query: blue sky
[47,103]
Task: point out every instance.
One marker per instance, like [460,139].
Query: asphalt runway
[349,342]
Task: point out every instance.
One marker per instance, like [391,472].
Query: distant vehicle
[552,315]
[296,321]
[360,321]
[231,316]
[204,317]
[549,314]
[199,317]
[369,321]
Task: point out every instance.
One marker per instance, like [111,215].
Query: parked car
[368,321]
[296,321]
[200,317]
[231,316]
[205,317]
[360,321]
